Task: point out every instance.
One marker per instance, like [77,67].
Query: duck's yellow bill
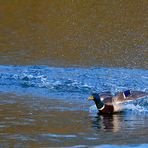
[91,98]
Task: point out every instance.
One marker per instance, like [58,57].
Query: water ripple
[68,81]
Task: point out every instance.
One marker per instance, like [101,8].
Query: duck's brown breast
[107,109]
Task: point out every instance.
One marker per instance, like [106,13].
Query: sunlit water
[47,107]
[74,33]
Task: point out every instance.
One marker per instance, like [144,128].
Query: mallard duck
[106,103]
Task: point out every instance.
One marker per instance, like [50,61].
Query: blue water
[70,82]
[70,87]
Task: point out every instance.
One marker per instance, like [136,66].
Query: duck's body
[108,104]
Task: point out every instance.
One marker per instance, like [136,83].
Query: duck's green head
[96,98]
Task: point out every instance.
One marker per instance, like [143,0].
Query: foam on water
[138,107]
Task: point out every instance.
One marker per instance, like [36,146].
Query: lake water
[74,33]
[46,106]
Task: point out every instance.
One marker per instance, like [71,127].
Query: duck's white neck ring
[102,107]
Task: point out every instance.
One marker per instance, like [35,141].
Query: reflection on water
[27,121]
[108,122]
[69,33]
[120,128]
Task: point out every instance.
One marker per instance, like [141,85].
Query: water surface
[46,106]
[74,33]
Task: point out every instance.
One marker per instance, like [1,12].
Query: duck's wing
[106,97]
[137,95]
[128,95]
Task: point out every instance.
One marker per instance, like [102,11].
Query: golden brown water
[27,121]
[74,32]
